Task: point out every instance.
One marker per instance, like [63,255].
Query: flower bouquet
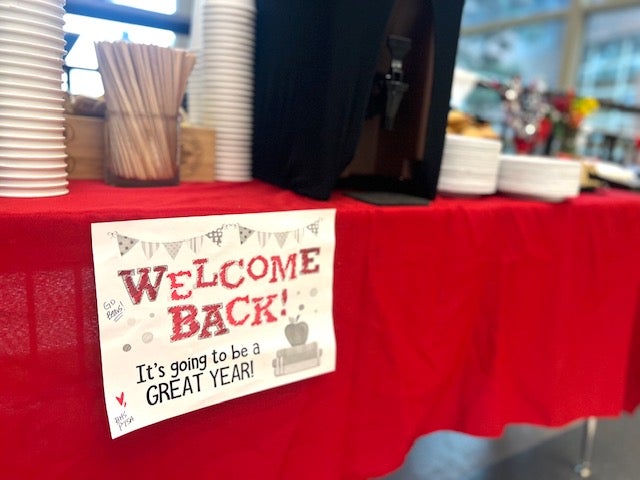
[569,111]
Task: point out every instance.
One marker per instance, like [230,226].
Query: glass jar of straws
[142,150]
[144,86]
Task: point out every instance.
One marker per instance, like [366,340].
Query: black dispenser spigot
[395,85]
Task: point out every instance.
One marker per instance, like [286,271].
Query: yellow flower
[584,106]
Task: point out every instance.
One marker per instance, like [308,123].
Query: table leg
[583,467]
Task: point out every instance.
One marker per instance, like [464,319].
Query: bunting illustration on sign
[126,243]
[194,311]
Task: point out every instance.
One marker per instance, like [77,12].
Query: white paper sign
[195,311]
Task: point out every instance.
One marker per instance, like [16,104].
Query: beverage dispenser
[353,94]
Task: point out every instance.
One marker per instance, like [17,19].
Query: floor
[526,453]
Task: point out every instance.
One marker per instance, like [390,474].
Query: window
[592,46]
[528,50]
[478,12]
[81,59]
[83,30]
[610,68]
[167,7]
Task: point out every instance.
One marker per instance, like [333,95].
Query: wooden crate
[85,150]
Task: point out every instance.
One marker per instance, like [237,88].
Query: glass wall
[529,51]
[610,68]
[478,12]
[589,46]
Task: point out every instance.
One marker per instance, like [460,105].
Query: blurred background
[590,47]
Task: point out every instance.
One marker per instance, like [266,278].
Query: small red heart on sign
[121,399]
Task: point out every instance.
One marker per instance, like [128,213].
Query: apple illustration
[296,331]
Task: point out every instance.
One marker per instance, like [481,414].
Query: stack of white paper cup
[223,96]
[32,145]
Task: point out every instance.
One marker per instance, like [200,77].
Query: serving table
[467,314]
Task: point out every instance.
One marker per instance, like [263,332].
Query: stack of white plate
[32,146]
[543,178]
[221,91]
[614,173]
[469,165]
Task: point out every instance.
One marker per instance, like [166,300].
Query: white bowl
[33,173]
[227,140]
[231,175]
[223,76]
[224,177]
[232,83]
[229,119]
[31,101]
[237,59]
[471,142]
[31,122]
[11,68]
[239,149]
[233,131]
[56,153]
[546,178]
[34,148]
[228,67]
[18,88]
[20,127]
[246,7]
[33,182]
[240,136]
[51,7]
[535,164]
[17,107]
[26,21]
[31,81]
[240,161]
[458,188]
[238,108]
[29,47]
[234,160]
[225,43]
[240,96]
[222,63]
[46,60]
[23,34]
[28,147]
[238,104]
[23,136]
[33,192]
[242,172]
[247,139]
[221,31]
[24,10]
[36,165]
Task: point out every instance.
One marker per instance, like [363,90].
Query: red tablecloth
[465,315]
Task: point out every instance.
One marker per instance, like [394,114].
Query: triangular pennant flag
[314,227]
[263,237]
[245,233]
[297,235]
[195,243]
[173,248]
[149,248]
[126,243]
[215,236]
[281,237]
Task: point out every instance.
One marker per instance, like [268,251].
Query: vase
[567,141]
